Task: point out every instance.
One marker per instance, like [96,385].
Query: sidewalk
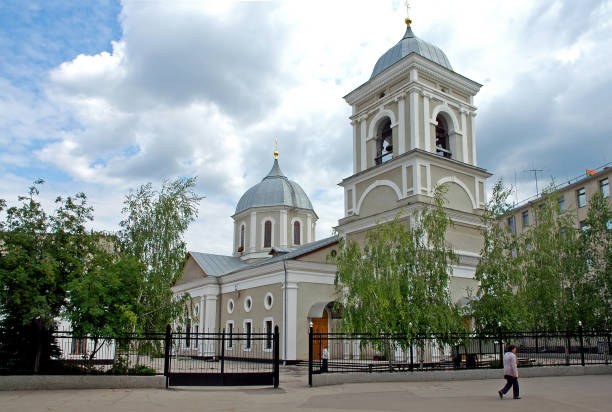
[575,393]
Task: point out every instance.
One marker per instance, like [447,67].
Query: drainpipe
[285,315]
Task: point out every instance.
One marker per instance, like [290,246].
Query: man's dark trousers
[511,381]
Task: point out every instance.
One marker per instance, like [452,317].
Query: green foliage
[597,253]
[398,282]
[152,232]
[552,276]
[553,268]
[497,272]
[41,254]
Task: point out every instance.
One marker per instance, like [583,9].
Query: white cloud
[203,88]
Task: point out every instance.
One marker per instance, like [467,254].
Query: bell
[389,148]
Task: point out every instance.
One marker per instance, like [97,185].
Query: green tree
[497,273]
[597,253]
[552,266]
[101,301]
[398,282]
[152,232]
[40,254]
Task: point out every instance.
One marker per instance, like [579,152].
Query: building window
[79,346]
[196,330]
[230,334]
[268,301]
[581,196]
[247,330]
[248,304]
[230,306]
[604,187]
[609,224]
[562,204]
[525,218]
[241,248]
[384,143]
[268,330]
[296,233]
[268,234]
[511,224]
[442,140]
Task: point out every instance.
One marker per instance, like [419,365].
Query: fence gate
[222,359]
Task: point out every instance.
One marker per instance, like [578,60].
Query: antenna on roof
[275,148]
[407,19]
[535,173]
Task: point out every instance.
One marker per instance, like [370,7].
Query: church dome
[410,44]
[274,190]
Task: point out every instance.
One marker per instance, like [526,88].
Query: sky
[103,96]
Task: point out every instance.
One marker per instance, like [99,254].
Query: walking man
[510,373]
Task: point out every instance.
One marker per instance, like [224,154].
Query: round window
[248,304]
[268,301]
[230,306]
[196,310]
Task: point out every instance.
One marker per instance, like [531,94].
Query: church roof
[274,190]
[219,265]
[407,45]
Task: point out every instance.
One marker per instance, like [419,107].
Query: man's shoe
[501,395]
[517,397]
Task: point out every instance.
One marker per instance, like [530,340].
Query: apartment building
[574,196]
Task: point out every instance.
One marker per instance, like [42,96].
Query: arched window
[384,143]
[296,233]
[442,143]
[241,248]
[268,234]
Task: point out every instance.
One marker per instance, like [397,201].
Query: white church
[413,129]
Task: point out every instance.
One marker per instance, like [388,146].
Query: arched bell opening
[384,142]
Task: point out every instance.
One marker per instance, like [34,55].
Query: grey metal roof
[302,250]
[217,265]
[410,44]
[274,190]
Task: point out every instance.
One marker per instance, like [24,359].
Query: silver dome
[410,44]
[274,190]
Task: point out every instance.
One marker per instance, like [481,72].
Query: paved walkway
[556,394]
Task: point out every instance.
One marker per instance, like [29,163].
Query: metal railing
[365,353]
[220,358]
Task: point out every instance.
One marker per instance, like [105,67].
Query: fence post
[222,356]
[609,346]
[411,354]
[581,342]
[276,357]
[310,355]
[501,345]
[168,345]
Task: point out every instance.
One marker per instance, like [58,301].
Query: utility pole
[535,174]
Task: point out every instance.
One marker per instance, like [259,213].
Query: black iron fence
[365,353]
[235,358]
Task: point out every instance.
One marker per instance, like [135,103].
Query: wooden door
[319,325]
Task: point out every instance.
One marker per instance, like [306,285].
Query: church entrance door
[319,326]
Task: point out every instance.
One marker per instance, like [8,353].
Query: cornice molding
[402,68]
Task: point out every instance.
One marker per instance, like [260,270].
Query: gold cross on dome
[408,20]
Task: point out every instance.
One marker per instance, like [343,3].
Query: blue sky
[106,96]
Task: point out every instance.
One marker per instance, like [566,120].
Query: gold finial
[275,148]
[407,19]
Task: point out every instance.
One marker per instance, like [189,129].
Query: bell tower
[413,129]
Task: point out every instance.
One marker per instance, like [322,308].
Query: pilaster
[253,232]
[414,119]
[291,293]
[362,143]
